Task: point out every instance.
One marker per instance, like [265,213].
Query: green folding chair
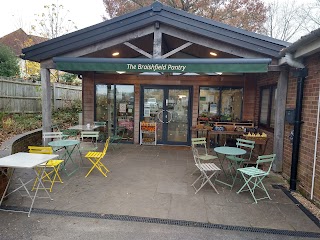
[102,130]
[253,176]
[236,162]
[117,137]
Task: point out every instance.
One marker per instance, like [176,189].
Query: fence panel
[21,96]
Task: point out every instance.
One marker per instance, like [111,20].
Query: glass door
[169,107]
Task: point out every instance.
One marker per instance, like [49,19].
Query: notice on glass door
[122,107]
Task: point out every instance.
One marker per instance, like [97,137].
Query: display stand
[148,133]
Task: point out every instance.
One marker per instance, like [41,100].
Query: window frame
[219,104]
[272,91]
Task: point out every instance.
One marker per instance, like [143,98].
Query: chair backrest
[94,135]
[248,145]
[266,159]
[40,150]
[51,135]
[106,145]
[70,133]
[55,127]
[101,124]
[200,142]
[195,155]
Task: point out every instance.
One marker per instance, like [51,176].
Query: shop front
[159,65]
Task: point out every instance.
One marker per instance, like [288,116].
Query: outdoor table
[69,146]
[84,127]
[222,152]
[28,161]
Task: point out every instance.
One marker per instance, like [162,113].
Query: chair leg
[256,183]
[205,179]
[100,166]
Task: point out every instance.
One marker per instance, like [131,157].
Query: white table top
[84,127]
[25,160]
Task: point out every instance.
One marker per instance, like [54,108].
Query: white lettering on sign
[156,67]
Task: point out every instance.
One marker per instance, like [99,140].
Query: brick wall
[308,130]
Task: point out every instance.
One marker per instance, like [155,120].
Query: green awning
[192,65]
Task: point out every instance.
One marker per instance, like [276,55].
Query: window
[267,106]
[224,104]
[114,104]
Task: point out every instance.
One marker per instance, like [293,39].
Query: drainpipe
[315,149]
[301,74]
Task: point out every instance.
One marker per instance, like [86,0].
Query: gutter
[301,74]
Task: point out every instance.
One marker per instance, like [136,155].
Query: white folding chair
[201,143]
[48,136]
[207,171]
[88,142]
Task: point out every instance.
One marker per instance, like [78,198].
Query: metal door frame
[166,89]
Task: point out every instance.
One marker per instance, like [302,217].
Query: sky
[15,14]
[21,13]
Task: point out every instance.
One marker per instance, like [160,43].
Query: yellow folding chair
[95,159]
[52,165]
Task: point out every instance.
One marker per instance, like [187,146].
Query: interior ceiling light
[213,54]
[115,54]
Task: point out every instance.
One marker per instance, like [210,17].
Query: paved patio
[155,182]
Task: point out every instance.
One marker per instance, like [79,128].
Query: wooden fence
[21,96]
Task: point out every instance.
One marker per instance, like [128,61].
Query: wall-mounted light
[115,54]
[213,54]
[120,72]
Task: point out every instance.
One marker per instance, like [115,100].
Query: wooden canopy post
[280,119]
[46,100]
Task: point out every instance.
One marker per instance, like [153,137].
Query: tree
[32,69]
[9,66]
[313,16]
[53,22]
[247,14]
[286,20]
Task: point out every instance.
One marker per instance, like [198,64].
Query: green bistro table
[69,146]
[222,152]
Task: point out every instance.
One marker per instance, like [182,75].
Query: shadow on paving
[153,184]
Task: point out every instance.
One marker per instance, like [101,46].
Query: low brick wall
[16,144]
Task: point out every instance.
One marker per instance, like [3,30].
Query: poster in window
[205,107]
[213,108]
[147,112]
[122,107]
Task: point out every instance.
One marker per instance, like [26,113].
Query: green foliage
[13,124]
[9,66]
[68,77]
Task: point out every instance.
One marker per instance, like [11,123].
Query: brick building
[164,65]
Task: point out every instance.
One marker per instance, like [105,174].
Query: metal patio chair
[236,162]
[117,137]
[102,130]
[95,159]
[202,143]
[253,176]
[51,173]
[88,141]
[207,171]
